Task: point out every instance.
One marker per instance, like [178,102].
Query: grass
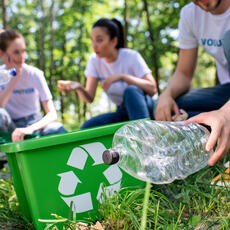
[10,215]
[189,204]
[192,203]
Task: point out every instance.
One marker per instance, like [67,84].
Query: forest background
[57,35]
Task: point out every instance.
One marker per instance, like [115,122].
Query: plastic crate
[50,172]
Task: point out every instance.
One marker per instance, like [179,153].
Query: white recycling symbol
[69,180]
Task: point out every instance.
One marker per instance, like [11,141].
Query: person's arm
[50,116]
[219,121]
[7,92]
[146,83]
[87,94]
[179,84]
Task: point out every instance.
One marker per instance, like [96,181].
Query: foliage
[193,203]
[10,215]
[57,34]
[187,204]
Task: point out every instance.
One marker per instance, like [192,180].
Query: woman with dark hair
[123,74]
[20,98]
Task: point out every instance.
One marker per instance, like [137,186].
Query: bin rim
[62,138]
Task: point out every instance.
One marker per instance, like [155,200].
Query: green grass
[10,215]
[188,204]
[192,203]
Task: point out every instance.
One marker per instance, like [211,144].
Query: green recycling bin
[55,173]
[5,137]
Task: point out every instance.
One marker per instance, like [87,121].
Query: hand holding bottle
[11,63]
[68,86]
[6,75]
[219,121]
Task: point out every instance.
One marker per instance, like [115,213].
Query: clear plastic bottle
[159,151]
[6,75]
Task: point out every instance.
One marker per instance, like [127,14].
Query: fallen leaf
[97,226]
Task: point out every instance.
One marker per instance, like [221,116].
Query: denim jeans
[8,125]
[136,105]
[226,44]
[200,100]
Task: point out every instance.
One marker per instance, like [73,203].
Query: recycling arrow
[95,150]
[69,181]
[81,203]
[77,158]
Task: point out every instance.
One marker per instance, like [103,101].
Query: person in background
[205,23]
[1,53]
[123,75]
[20,98]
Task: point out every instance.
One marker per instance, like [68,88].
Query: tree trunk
[126,20]
[62,76]
[5,18]
[51,67]
[216,78]
[81,106]
[154,56]
[42,37]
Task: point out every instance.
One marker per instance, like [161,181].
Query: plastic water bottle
[6,75]
[159,151]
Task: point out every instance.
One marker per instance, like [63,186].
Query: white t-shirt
[28,92]
[198,27]
[128,62]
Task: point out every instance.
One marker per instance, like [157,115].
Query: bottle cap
[110,156]
[13,72]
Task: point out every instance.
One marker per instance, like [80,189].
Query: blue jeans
[8,125]
[226,43]
[136,105]
[200,100]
